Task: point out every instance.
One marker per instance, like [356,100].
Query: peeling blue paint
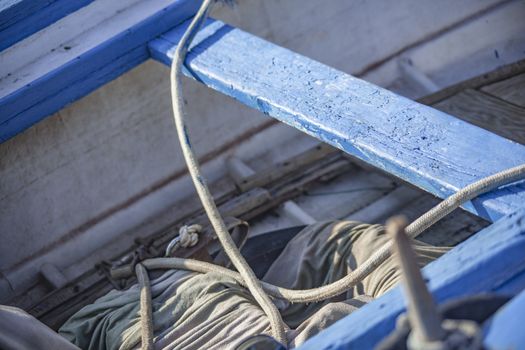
[428,148]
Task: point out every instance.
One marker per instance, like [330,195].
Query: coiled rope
[245,276]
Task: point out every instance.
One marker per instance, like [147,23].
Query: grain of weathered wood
[511,90]
[499,74]
[418,144]
[488,112]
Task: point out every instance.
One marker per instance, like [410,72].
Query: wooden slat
[499,74]
[483,263]
[99,59]
[21,18]
[511,90]
[419,144]
[487,112]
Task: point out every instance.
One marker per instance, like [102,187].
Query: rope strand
[146,316]
[249,278]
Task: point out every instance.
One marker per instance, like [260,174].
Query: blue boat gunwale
[494,250]
[22,18]
[85,73]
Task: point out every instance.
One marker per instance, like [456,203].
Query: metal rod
[422,312]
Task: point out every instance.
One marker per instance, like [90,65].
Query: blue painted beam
[483,263]
[21,18]
[82,74]
[506,328]
[428,148]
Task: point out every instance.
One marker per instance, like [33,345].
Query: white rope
[189,235]
[251,281]
[146,312]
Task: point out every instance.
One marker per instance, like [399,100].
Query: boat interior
[102,179]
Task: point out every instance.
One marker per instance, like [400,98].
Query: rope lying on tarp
[245,276]
[362,271]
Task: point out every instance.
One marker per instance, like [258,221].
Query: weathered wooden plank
[12,11]
[105,58]
[482,263]
[72,92]
[487,112]
[433,150]
[21,18]
[499,74]
[458,54]
[511,90]
[315,31]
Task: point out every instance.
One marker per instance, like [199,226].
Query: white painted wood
[121,229]
[394,203]
[473,48]
[68,38]
[105,151]
[416,77]
[297,214]
[53,275]
[238,170]
[350,35]
[476,41]
[348,193]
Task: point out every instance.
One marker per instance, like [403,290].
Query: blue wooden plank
[21,18]
[483,263]
[75,91]
[54,90]
[514,285]
[428,148]
[12,11]
[506,327]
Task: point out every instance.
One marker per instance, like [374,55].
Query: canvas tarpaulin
[211,311]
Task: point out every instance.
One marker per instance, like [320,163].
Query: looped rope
[189,235]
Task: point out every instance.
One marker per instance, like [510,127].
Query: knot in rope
[189,235]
